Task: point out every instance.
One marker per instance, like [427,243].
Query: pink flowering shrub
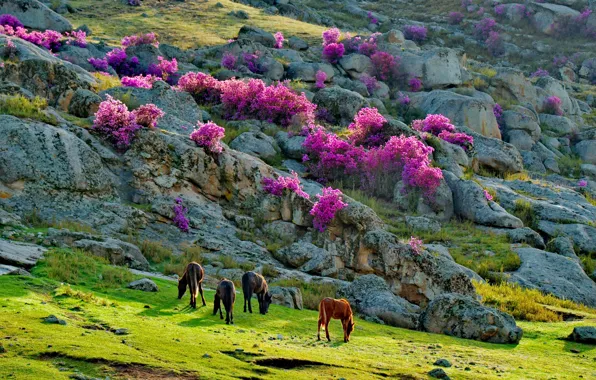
[10,20]
[100,64]
[415,84]
[203,87]
[253,62]
[49,39]
[209,136]
[279,40]
[277,186]
[119,61]
[367,126]
[164,69]
[415,33]
[76,38]
[552,105]
[464,140]
[416,245]
[441,127]
[455,18]
[582,183]
[323,211]
[140,81]
[539,73]
[369,46]
[320,78]
[371,83]
[499,10]
[333,52]
[140,39]
[229,61]
[495,44]
[147,115]
[385,66]
[487,196]
[331,36]
[114,121]
[180,220]
[483,28]
[498,112]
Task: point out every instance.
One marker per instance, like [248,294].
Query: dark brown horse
[255,283]
[193,278]
[226,294]
[330,308]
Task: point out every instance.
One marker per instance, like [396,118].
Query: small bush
[155,251]
[105,82]
[570,166]
[312,293]
[22,107]
[525,211]
[269,271]
[229,262]
[177,263]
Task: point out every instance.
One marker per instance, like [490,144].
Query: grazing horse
[193,278]
[226,293]
[255,283]
[330,308]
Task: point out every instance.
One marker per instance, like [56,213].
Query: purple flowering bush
[415,33]
[114,121]
[539,73]
[552,105]
[100,64]
[277,186]
[180,220]
[323,211]
[10,20]
[203,87]
[333,52]
[440,126]
[229,61]
[498,112]
[455,18]
[140,81]
[331,36]
[119,61]
[385,66]
[147,115]
[415,84]
[416,245]
[279,40]
[209,136]
[320,78]
[483,28]
[140,39]
[371,83]
[366,128]
[495,44]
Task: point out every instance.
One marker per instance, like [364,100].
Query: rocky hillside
[428,163]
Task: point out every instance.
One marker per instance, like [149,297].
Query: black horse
[255,283]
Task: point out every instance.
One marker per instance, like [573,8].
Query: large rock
[496,155]
[356,65]
[546,15]
[521,121]
[256,144]
[583,334]
[115,251]
[586,150]
[512,85]
[306,71]
[370,295]
[12,271]
[552,87]
[84,103]
[307,257]
[470,203]
[181,111]
[255,34]
[47,158]
[464,317]
[462,110]
[554,274]
[340,103]
[20,254]
[558,126]
[441,68]
[45,75]
[582,235]
[286,296]
[36,15]
[291,146]
[144,285]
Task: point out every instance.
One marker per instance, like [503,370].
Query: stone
[258,35]
[356,65]
[286,296]
[284,231]
[290,146]
[586,150]
[512,85]
[121,331]
[144,284]
[297,43]
[84,103]
[306,257]
[558,126]
[256,144]
[583,236]
[342,104]
[464,317]
[54,320]
[554,274]
[551,87]
[442,363]
[547,14]
[583,334]
[526,235]
[34,14]
[12,271]
[441,68]
[494,154]
[9,219]
[470,203]
[306,71]
[438,373]
[115,251]
[563,246]
[421,223]
[370,295]
[21,255]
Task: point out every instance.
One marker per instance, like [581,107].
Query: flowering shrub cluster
[229,61]
[180,219]
[539,73]
[140,39]
[209,136]
[203,87]
[455,18]
[10,20]
[385,66]
[140,81]
[367,46]
[372,19]
[487,195]
[323,211]
[119,61]
[483,28]
[279,40]
[76,38]
[277,186]
[552,105]
[498,112]
[100,64]
[495,44]
[441,127]
[416,245]
[415,33]
[320,78]
[331,36]
[571,26]
[116,122]
[332,53]
[582,183]
[371,83]
[366,128]
[147,115]
[415,84]
[164,69]
[49,39]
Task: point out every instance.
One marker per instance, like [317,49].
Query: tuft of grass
[570,166]
[177,264]
[35,220]
[155,251]
[229,262]
[67,291]
[524,210]
[312,292]
[523,176]
[487,72]
[525,304]
[21,107]
[105,82]
[269,271]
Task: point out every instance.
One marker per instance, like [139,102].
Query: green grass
[22,107]
[524,210]
[186,24]
[168,339]
[570,166]
[312,292]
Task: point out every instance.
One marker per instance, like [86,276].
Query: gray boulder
[554,274]
[370,295]
[526,235]
[144,285]
[551,87]
[464,317]
[290,297]
[547,14]
[494,154]
[12,271]
[84,103]
[558,126]
[512,85]
[297,43]
[470,203]
[20,254]
[255,34]
[115,251]
[256,144]
[583,334]
[34,14]
[342,104]
[356,65]
[307,257]
[290,146]
[586,150]
[441,69]
[582,235]
[306,71]
[563,246]
[421,223]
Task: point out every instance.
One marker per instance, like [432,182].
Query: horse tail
[322,313]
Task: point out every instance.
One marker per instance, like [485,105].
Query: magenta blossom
[320,78]
[208,136]
[147,115]
[116,122]
[582,183]
[488,196]
[279,40]
[323,211]
[331,36]
[333,52]
[180,219]
[416,245]
[140,81]
[415,84]
[229,60]
[277,186]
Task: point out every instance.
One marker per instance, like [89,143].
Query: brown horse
[226,294]
[255,283]
[330,308]
[193,278]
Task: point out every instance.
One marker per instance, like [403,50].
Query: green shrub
[524,210]
[21,107]
[177,263]
[155,251]
[269,271]
[570,166]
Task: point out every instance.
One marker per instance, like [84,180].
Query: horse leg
[216,304]
[202,296]
[319,328]
[249,301]
[327,329]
